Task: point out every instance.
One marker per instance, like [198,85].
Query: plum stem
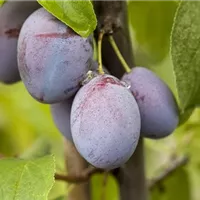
[100,38]
[118,53]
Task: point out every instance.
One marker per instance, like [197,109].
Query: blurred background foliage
[27,129]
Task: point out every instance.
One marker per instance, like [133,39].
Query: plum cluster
[103,116]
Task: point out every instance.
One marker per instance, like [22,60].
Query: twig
[83,177]
[118,53]
[100,68]
[179,162]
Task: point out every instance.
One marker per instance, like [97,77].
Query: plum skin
[105,122]
[52,58]
[61,117]
[158,108]
[12,16]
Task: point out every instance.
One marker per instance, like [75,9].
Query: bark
[115,12]
[75,166]
[131,176]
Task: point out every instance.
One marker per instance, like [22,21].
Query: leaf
[79,15]
[2,2]
[151,22]
[185,53]
[26,179]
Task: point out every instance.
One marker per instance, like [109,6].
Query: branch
[112,18]
[132,176]
[109,15]
[83,177]
[176,164]
[86,175]
[76,165]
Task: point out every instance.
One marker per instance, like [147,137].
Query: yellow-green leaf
[79,15]
[26,179]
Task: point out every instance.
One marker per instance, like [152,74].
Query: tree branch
[83,177]
[109,15]
[132,176]
[76,165]
[86,174]
[175,165]
[112,18]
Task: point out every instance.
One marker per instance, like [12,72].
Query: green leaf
[79,15]
[2,2]
[151,23]
[26,179]
[185,53]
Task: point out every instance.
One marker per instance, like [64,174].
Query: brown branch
[83,177]
[112,18]
[131,176]
[176,164]
[109,15]
[75,165]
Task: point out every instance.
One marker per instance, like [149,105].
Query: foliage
[185,52]
[151,23]
[79,15]
[26,179]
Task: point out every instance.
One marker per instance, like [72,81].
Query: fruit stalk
[131,177]
[118,53]
[99,53]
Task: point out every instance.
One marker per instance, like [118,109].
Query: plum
[52,58]
[105,122]
[61,116]
[158,108]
